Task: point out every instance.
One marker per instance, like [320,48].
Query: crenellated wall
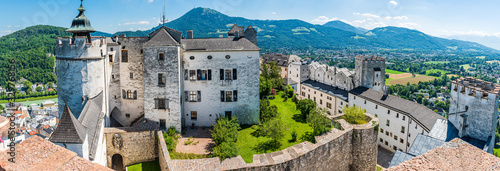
[353,148]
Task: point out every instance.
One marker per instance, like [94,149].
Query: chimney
[190,34]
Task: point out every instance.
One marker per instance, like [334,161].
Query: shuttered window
[186,74]
[198,74]
[124,55]
[234,74]
[221,71]
[135,94]
[124,94]
[222,95]
[209,74]
[199,96]
[235,95]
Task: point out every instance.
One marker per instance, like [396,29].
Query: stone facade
[353,148]
[133,146]
[474,108]
[370,72]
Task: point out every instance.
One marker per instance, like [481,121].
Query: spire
[81,24]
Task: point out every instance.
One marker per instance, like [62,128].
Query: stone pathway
[384,157]
[202,139]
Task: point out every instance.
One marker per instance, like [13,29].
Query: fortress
[117,92]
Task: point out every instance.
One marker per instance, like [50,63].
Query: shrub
[308,136]
[225,135]
[275,130]
[171,141]
[319,122]
[267,112]
[305,106]
[171,131]
[294,98]
[294,136]
[354,115]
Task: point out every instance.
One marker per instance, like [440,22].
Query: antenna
[164,8]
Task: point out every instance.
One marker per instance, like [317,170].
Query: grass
[437,62]
[390,71]
[379,168]
[247,143]
[152,165]
[32,100]
[435,71]
[466,67]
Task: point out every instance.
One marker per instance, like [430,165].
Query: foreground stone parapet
[353,148]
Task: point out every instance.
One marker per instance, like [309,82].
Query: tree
[267,112]
[225,135]
[319,122]
[271,73]
[354,115]
[426,102]
[288,91]
[305,106]
[38,89]
[275,130]
[264,87]
[27,86]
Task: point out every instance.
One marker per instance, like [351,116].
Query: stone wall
[354,148]
[134,146]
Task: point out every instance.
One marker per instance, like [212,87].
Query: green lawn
[247,143]
[390,71]
[379,168]
[146,166]
[31,100]
[436,70]
[436,62]
[466,66]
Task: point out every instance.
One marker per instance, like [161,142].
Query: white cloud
[9,26]
[17,26]
[273,13]
[150,1]
[322,20]
[358,22]
[368,15]
[375,25]
[393,3]
[137,23]
[408,25]
[400,18]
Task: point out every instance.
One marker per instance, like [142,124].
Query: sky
[442,18]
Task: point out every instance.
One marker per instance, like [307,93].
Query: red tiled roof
[17,112]
[32,133]
[36,153]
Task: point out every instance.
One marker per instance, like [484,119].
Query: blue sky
[436,17]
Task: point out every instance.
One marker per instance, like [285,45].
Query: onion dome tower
[81,24]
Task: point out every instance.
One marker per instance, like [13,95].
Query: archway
[117,162]
[114,114]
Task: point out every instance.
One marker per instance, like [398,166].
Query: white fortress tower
[474,108]
[81,66]
[370,72]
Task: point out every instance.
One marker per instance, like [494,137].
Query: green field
[435,71]
[390,71]
[28,101]
[466,66]
[437,62]
[247,143]
[146,166]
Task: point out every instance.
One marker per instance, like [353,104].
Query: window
[129,94]
[320,101]
[110,58]
[194,115]
[191,57]
[395,148]
[365,101]
[401,141]
[228,114]
[124,55]
[416,126]
[309,96]
[229,96]
[227,56]
[395,137]
[314,99]
[193,96]
[203,75]
[142,51]
[403,117]
[124,94]
[161,103]
[209,57]
[387,144]
[407,144]
[161,56]
[113,76]
[381,140]
[382,130]
[163,124]
[192,75]
[354,97]
[227,74]
[397,115]
[127,115]
[131,75]
[402,129]
[387,133]
[376,106]
[341,103]
[328,105]
[111,49]
[388,111]
[388,122]
[161,79]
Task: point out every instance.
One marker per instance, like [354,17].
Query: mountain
[344,26]
[33,48]
[488,40]
[293,33]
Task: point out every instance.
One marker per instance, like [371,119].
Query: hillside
[344,26]
[299,34]
[33,49]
